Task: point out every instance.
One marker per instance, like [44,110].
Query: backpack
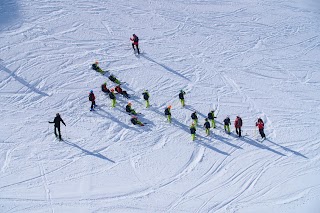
[207,125]
[210,116]
[134,121]
[145,96]
[128,108]
[166,111]
[194,116]
[112,78]
[136,39]
[111,95]
[239,122]
[181,95]
[90,97]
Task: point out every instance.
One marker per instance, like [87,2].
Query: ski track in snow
[238,58]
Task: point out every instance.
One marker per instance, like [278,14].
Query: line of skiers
[226,122]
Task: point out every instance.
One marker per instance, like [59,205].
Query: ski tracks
[45,183]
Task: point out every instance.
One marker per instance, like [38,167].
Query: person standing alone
[56,122]
[260,126]
[135,42]
[92,98]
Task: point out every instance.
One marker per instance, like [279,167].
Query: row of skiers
[226,122]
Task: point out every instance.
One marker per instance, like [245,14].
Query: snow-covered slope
[248,58]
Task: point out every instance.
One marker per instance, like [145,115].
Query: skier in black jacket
[227,124]
[181,97]
[56,122]
[207,126]
[194,117]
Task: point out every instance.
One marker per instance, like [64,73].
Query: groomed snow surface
[248,58]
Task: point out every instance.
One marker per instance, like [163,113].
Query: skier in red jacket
[238,125]
[135,42]
[260,126]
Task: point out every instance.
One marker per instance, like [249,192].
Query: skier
[146,97]
[212,117]
[92,98]
[181,97]
[104,88]
[238,125]
[134,120]
[118,89]
[260,126]
[114,79]
[167,112]
[135,42]
[193,131]
[227,124]
[207,126]
[112,97]
[56,122]
[96,67]
[130,110]
[194,117]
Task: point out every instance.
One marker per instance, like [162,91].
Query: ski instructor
[56,122]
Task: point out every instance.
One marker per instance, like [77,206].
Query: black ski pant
[137,47]
[55,131]
[262,133]
[238,131]
[93,103]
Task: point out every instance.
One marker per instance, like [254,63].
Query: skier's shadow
[95,154]
[288,150]
[164,66]
[259,145]
[225,140]
[201,142]
[114,119]
[21,80]
[179,124]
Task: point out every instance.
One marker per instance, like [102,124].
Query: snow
[248,58]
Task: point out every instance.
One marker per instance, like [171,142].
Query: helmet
[206,119]
[181,90]
[112,90]
[105,83]
[192,124]
[134,35]
[129,104]
[96,62]
[91,91]
[57,114]
[169,106]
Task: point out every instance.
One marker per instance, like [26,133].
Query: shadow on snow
[165,67]
[98,155]
[22,81]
